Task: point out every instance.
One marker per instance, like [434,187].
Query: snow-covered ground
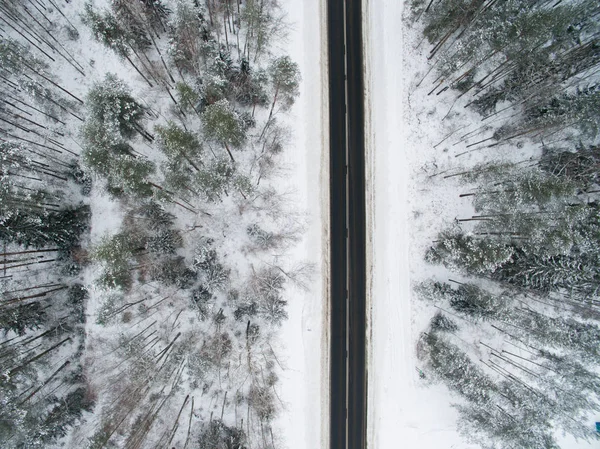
[304,382]
[409,203]
[400,411]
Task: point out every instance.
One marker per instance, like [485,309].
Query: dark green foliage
[114,118]
[249,86]
[285,77]
[129,15]
[11,416]
[236,82]
[568,333]
[81,178]
[154,216]
[447,17]
[165,242]
[111,105]
[452,366]
[491,428]
[77,295]
[581,167]
[117,254]
[16,63]
[129,175]
[156,12]
[580,274]
[188,98]
[222,124]
[107,30]
[62,416]
[22,318]
[190,38]
[14,56]
[442,323]
[217,435]
[521,189]
[533,48]
[180,146]
[468,299]
[476,302]
[577,111]
[434,291]
[144,256]
[38,229]
[465,252]
[173,271]
[215,179]
[583,384]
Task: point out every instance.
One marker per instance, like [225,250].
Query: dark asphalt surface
[348,375]
[337,220]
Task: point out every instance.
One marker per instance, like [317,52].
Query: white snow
[304,382]
[398,409]
[408,204]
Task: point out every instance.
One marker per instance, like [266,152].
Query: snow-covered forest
[145,233]
[507,215]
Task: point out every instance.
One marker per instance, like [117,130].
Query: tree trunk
[37,357]
[189,431]
[37,295]
[46,382]
[270,112]
[229,152]
[176,425]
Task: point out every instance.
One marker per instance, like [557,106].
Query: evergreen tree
[40,229]
[465,252]
[477,303]
[117,253]
[180,146]
[187,97]
[106,29]
[581,166]
[449,364]
[441,323]
[22,318]
[190,38]
[579,274]
[215,179]
[285,79]
[223,125]
[217,435]
[114,118]
[111,106]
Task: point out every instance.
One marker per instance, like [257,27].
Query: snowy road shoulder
[304,383]
[399,410]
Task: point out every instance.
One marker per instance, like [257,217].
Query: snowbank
[304,384]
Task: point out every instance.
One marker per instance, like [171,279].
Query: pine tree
[180,146]
[61,228]
[22,318]
[215,179]
[111,106]
[449,364]
[464,252]
[187,97]
[223,125]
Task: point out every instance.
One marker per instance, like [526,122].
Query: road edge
[325,231]
[369,217]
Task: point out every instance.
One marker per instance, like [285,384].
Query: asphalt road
[348,374]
